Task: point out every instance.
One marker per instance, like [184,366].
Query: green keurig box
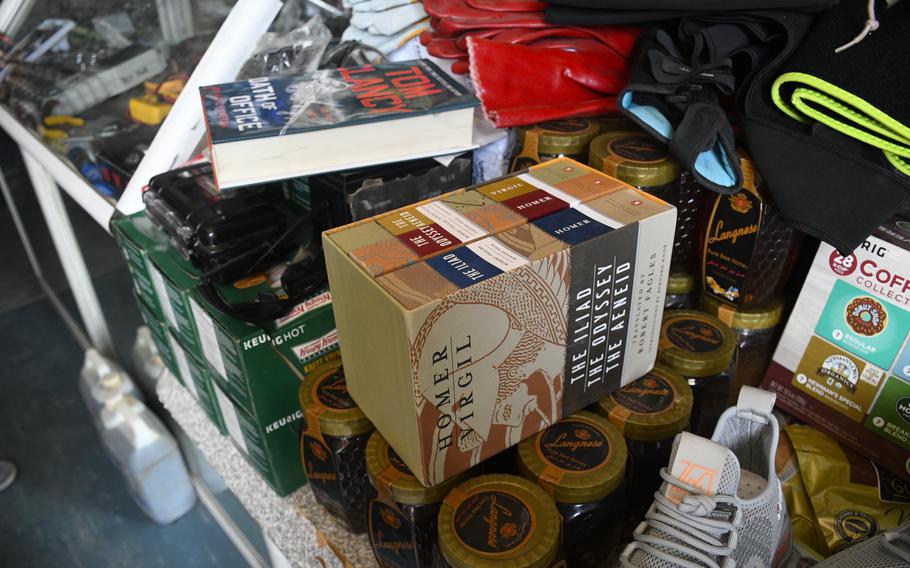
[256,375]
[197,379]
[160,336]
[137,237]
[173,278]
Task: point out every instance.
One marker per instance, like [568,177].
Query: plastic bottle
[146,359]
[149,458]
[102,379]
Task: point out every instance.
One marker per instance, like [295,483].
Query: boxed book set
[470,322]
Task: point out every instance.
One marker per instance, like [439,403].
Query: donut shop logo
[866,316]
[840,370]
[903,408]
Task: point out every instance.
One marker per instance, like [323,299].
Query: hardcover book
[265,129]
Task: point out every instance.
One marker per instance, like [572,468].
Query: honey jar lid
[695,344]
[613,122]
[580,459]
[566,136]
[633,157]
[391,476]
[654,407]
[324,394]
[680,283]
[493,521]
[748,318]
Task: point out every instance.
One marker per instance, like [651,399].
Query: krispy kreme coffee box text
[843,362]
[465,352]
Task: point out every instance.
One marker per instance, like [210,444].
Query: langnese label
[643,149]
[692,335]
[493,522]
[732,234]
[390,537]
[573,445]
[332,392]
[648,395]
[319,466]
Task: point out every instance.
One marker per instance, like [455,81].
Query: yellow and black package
[852,498]
[799,506]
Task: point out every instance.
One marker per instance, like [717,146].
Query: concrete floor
[70,506]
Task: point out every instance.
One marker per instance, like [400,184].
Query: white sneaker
[886,550]
[721,504]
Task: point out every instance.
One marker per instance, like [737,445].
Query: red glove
[520,84]
[451,17]
[508,5]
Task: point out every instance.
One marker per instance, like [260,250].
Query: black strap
[704,128]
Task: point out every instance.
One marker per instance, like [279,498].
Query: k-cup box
[843,362]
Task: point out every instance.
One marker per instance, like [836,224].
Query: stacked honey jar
[563,497]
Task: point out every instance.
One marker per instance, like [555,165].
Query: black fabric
[684,75]
[829,185]
[616,12]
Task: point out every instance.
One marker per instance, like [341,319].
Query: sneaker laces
[697,524]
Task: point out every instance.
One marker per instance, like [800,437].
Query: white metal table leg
[77,275]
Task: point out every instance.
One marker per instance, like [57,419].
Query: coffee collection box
[472,348]
[843,362]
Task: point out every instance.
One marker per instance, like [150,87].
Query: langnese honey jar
[581,462]
[332,446]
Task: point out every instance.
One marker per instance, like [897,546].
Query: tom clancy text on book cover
[264,107]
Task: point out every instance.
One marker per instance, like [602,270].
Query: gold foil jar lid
[633,157]
[580,459]
[694,343]
[324,395]
[566,136]
[391,476]
[680,283]
[613,123]
[494,521]
[748,318]
[654,407]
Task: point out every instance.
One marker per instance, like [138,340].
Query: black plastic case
[225,235]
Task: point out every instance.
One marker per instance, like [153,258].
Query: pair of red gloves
[525,70]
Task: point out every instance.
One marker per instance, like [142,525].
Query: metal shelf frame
[178,136]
